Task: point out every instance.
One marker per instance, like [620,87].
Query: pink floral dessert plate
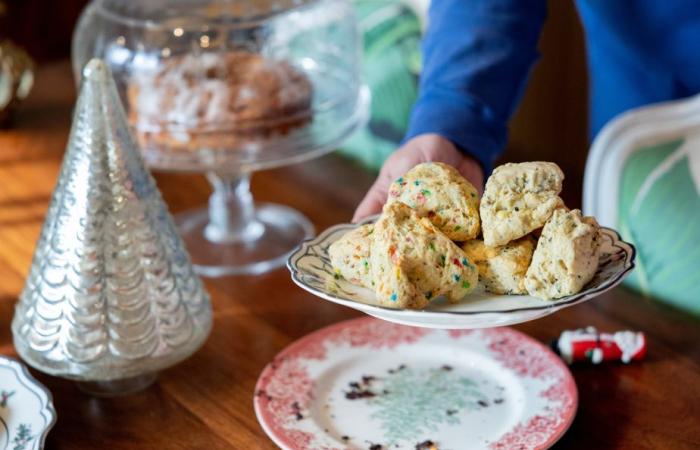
[311,270]
[370,384]
[26,408]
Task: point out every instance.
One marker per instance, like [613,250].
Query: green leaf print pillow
[643,179]
[391,64]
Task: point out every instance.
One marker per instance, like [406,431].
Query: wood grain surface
[207,401]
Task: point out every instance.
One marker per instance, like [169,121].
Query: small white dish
[311,269]
[26,408]
[367,383]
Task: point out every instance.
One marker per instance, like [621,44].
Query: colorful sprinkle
[466,285]
[417,182]
[456,262]
[429,295]
[457,228]
[425,192]
[442,260]
[432,246]
[465,262]
[456,277]
[393,297]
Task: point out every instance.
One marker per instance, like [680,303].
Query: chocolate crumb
[482,403]
[367,379]
[385,392]
[446,368]
[296,410]
[425,445]
[498,401]
[345,438]
[375,447]
[354,385]
[451,412]
[402,366]
[354,395]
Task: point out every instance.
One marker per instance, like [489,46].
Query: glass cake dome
[227,88]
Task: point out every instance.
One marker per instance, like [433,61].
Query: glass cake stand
[228,88]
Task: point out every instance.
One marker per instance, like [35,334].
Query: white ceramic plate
[311,270]
[367,383]
[26,408]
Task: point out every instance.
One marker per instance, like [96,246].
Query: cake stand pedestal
[236,236]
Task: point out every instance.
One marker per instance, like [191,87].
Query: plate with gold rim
[311,269]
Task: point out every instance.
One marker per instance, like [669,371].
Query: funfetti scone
[437,191]
[566,257]
[518,199]
[502,269]
[413,262]
[350,255]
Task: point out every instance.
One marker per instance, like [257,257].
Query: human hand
[420,149]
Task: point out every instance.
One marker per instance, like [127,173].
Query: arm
[476,59]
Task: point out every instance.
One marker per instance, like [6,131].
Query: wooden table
[207,401]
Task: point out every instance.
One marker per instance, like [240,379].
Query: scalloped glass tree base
[277,230]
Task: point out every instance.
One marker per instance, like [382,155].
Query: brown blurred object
[16,74]
[43,28]
[551,123]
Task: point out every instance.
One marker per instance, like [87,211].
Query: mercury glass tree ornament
[111,296]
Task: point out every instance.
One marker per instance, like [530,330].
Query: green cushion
[659,212]
[391,64]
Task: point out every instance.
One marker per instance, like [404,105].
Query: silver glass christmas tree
[111,296]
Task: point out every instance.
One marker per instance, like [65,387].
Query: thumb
[373,201]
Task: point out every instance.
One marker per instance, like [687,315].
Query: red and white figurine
[587,344]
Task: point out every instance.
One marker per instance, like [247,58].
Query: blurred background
[550,124]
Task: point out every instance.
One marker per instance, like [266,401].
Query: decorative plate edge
[323,332]
[301,251]
[22,370]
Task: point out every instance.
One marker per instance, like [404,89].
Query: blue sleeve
[476,58]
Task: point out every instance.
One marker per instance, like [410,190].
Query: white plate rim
[303,249]
[27,380]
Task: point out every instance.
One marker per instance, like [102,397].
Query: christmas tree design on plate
[415,402]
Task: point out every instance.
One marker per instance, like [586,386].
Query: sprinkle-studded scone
[566,257]
[350,255]
[518,199]
[502,269]
[437,191]
[412,262]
